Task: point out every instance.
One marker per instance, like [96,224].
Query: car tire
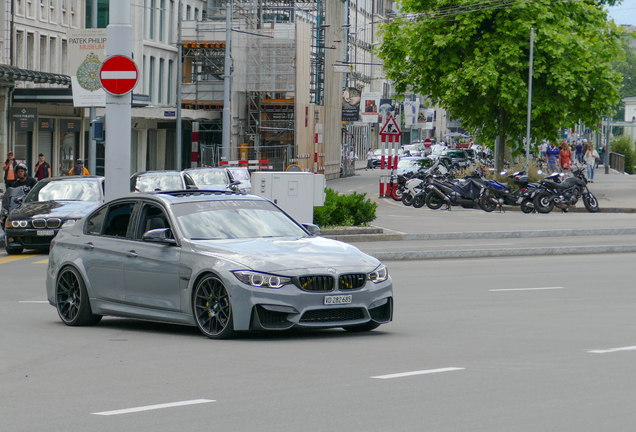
[212,308]
[362,327]
[13,250]
[71,299]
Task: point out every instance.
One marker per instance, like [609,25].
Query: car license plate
[338,299]
[45,233]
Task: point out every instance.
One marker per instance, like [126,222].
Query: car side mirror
[314,230]
[159,235]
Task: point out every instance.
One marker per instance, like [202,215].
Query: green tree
[476,64]
[625,64]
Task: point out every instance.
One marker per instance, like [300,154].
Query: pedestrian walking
[9,170]
[369,160]
[579,150]
[591,159]
[565,157]
[543,148]
[552,158]
[42,168]
[78,169]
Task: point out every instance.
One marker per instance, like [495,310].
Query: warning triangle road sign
[390,127]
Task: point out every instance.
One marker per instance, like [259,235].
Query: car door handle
[88,246]
[131,254]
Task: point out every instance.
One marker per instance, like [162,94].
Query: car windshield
[209,177]
[151,183]
[455,154]
[220,220]
[69,190]
[240,174]
[418,163]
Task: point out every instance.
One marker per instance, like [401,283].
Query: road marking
[153,407]
[34,301]
[16,258]
[46,261]
[527,289]
[421,372]
[613,350]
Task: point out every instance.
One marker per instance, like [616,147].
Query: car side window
[117,219]
[95,223]
[152,217]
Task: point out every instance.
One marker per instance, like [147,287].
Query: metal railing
[278,157]
[617,162]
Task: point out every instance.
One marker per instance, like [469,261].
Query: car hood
[58,209]
[289,255]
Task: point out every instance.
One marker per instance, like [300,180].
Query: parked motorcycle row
[436,187]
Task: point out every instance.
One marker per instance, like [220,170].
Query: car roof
[205,169]
[71,178]
[164,172]
[192,196]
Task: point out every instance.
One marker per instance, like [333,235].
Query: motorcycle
[464,193]
[416,184]
[11,200]
[398,189]
[565,193]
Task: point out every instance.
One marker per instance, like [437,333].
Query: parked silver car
[221,261]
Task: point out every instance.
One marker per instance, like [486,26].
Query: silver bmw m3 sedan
[221,261]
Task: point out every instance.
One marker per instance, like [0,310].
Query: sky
[625,13]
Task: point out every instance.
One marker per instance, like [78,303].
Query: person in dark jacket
[22,179]
[9,170]
[42,168]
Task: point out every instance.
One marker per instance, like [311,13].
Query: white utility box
[297,193]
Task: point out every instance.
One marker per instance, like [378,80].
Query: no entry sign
[118,75]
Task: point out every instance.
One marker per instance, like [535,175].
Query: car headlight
[261,280]
[378,275]
[69,222]
[18,224]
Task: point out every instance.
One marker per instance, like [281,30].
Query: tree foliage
[476,64]
[625,64]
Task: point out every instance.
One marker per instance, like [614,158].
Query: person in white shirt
[590,158]
[369,160]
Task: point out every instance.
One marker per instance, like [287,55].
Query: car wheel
[212,308]
[13,250]
[362,327]
[71,298]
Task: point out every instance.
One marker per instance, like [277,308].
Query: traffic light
[98,133]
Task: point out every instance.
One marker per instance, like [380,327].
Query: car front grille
[39,223]
[315,283]
[332,315]
[53,223]
[351,281]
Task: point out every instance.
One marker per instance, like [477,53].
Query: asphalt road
[506,345]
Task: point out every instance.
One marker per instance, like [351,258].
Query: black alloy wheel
[434,201]
[407,199]
[543,203]
[212,308]
[525,207]
[419,200]
[486,202]
[71,299]
[591,203]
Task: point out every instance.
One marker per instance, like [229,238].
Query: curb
[582,209]
[492,253]
[483,235]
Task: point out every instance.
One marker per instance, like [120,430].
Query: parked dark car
[155,181]
[50,204]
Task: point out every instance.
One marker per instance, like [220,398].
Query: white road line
[421,372]
[527,289]
[34,301]
[153,407]
[613,350]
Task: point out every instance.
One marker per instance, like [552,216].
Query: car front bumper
[28,237]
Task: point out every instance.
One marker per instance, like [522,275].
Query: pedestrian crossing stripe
[12,258]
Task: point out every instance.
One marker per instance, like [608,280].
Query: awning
[10,73]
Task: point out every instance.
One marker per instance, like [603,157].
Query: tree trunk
[502,139]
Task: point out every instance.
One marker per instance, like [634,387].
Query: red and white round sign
[118,75]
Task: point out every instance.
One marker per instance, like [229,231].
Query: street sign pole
[118,108]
